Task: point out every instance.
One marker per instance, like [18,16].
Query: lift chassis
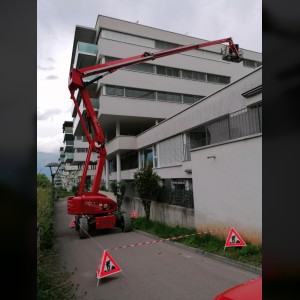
[93,209]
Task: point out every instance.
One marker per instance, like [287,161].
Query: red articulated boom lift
[93,208]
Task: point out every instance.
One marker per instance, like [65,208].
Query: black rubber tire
[126,223]
[83,228]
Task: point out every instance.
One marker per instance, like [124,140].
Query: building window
[129,160]
[224,79]
[251,63]
[170,151]
[212,78]
[112,165]
[138,93]
[81,150]
[173,72]
[244,122]
[165,45]
[187,74]
[199,76]
[155,156]
[151,95]
[199,137]
[190,99]
[146,68]
[114,90]
[170,97]
[146,157]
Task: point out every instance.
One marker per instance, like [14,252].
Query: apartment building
[139,107]
[71,164]
[215,145]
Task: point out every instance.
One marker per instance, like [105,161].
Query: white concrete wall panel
[121,143]
[225,101]
[168,36]
[138,108]
[228,188]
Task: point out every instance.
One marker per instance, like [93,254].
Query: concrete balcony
[80,143]
[112,176]
[80,158]
[71,168]
[69,157]
[85,55]
[69,145]
[68,134]
[77,127]
[128,174]
[91,173]
[122,142]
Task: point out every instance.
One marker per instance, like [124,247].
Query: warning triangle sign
[107,266]
[134,214]
[72,224]
[234,239]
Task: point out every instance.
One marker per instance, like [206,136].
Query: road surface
[154,271]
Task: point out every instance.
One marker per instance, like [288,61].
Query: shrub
[45,217]
[147,185]
[43,181]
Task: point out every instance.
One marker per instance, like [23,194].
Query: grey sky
[56,21]
[47,114]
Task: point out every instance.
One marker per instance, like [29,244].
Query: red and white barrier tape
[168,239]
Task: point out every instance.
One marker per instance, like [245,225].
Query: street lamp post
[53,165]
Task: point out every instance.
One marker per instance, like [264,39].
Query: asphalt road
[154,271]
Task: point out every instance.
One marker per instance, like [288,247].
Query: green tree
[86,188]
[119,189]
[146,183]
[87,184]
[43,181]
[75,189]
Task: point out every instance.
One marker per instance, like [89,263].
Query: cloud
[52,77]
[208,20]
[48,113]
[45,68]
[49,144]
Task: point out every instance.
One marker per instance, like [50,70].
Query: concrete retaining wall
[171,215]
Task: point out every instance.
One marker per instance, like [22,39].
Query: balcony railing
[95,103]
[244,122]
[177,196]
[174,196]
[68,130]
[86,51]
[69,146]
[87,48]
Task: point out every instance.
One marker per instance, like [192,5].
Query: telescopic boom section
[97,143]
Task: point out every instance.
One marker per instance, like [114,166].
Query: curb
[243,266]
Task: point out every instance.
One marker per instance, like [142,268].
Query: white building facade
[169,112]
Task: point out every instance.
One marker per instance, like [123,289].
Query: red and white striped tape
[168,239]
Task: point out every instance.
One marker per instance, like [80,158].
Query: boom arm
[97,143]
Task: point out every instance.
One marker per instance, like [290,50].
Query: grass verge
[251,254]
[52,279]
